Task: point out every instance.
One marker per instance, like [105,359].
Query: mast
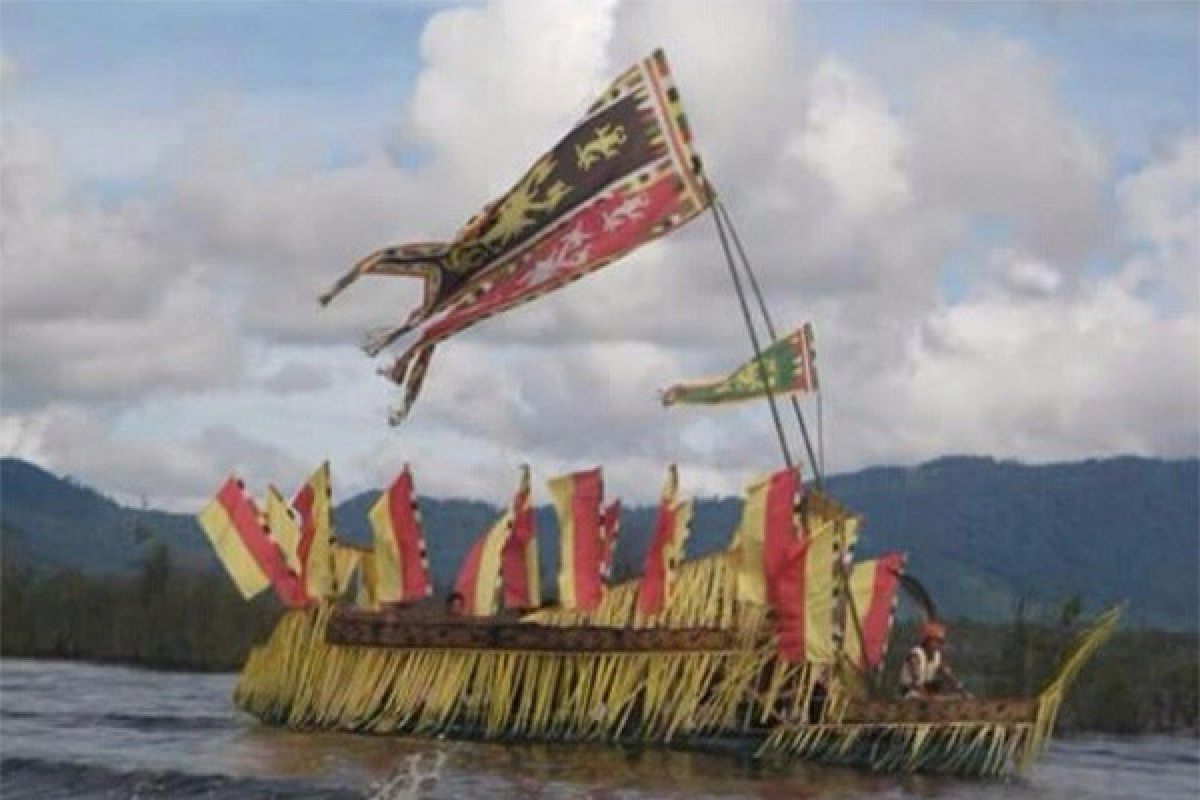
[762,370]
[722,213]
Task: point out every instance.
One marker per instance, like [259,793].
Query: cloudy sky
[991,214]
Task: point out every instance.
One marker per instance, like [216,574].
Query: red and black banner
[624,175]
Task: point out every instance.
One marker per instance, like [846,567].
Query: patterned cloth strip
[788,365]
[625,175]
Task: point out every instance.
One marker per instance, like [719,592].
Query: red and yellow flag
[665,551]
[577,499]
[284,523]
[314,503]
[401,565]
[873,586]
[625,175]
[234,526]
[519,569]
[766,536]
[478,578]
[806,630]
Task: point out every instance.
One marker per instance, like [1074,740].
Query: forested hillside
[980,533]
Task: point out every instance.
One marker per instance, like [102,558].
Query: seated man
[924,673]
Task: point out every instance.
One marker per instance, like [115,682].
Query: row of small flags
[793,553]
[292,547]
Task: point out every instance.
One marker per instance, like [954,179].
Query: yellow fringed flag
[314,502]
[285,527]
[767,526]
[873,586]
[520,571]
[819,566]
[478,579]
[240,538]
[577,499]
[402,566]
[665,551]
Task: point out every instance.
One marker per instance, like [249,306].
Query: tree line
[166,617]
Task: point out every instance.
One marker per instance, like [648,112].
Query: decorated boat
[772,646]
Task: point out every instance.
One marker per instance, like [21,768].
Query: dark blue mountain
[979,532]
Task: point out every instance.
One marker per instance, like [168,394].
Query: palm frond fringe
[976,748]
[298,680]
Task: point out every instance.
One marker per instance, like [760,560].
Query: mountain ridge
[979,532]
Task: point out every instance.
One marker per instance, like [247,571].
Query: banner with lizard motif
[625,175]
[787,365]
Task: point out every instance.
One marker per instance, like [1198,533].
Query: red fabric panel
[652,587]
[303,503]
[789,593]
[610,528]
[783,562]
[513,556]
[246,521]
[876,621]
[410,541]
[587,491]
[779,538]
[468,573]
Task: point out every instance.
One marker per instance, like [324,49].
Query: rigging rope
[719,208]
[741,293]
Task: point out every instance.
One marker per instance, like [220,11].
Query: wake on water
[85,731]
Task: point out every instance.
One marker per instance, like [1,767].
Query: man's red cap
[933,630]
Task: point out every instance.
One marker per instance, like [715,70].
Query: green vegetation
[1141,681]
[160,617]
[166,617]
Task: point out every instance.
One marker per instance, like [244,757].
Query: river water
[74,730]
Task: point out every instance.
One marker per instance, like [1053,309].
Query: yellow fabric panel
[562,490]
[238,562]
[862,583]
[533,572]
[284,528]
[320,577]
[749,543]
[345,564]
[389,586]
[819,584]
[674,554]
[368,582]
[487,579]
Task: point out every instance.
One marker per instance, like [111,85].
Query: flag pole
[720,211]
[719,208]
[741,293]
